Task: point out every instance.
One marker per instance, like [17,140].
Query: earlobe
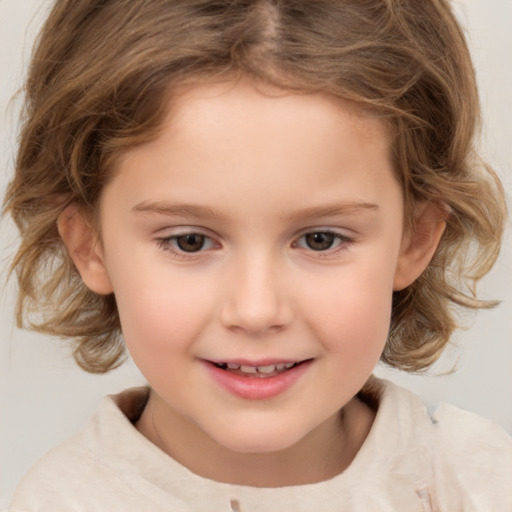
[420,244]
[84,248]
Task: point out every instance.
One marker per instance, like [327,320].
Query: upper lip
[257,362]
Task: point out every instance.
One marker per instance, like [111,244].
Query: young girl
[258,200]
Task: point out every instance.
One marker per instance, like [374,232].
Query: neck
[324,453]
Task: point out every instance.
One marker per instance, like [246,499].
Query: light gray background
[44,397]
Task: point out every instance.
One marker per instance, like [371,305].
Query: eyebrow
[179,210]
[201,212]
[332,210]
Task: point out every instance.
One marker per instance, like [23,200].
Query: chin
[254,440]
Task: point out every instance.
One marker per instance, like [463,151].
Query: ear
[84,248]
[420,244]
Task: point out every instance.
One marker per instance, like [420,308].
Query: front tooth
[233,366]
[248,369]
[280,367]
[267,369]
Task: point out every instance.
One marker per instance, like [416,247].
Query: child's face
[256,231]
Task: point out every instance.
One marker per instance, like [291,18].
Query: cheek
[353,312]
[161,313]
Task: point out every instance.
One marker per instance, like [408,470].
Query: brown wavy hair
[99,81]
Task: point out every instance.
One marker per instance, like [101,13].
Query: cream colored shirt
[454,461]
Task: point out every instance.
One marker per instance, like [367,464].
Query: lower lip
[257,388]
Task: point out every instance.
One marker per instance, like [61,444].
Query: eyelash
[166,244]
[343,243]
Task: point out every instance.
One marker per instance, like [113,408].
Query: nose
[256,297]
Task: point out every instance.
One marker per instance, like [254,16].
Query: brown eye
[191,242]
[320,241]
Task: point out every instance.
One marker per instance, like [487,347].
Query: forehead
[205,106]
[273,148]
[222,122]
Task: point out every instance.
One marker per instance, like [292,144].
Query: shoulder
[459,459]
[474,455]
[82,473]
[457,430]
[58,478]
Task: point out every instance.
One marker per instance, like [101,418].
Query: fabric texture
[453,461]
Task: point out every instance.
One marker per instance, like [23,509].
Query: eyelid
[183,229]
[338,232]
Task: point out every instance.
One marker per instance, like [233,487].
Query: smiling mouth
[262,372]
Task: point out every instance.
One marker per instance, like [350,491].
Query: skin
[253,171]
